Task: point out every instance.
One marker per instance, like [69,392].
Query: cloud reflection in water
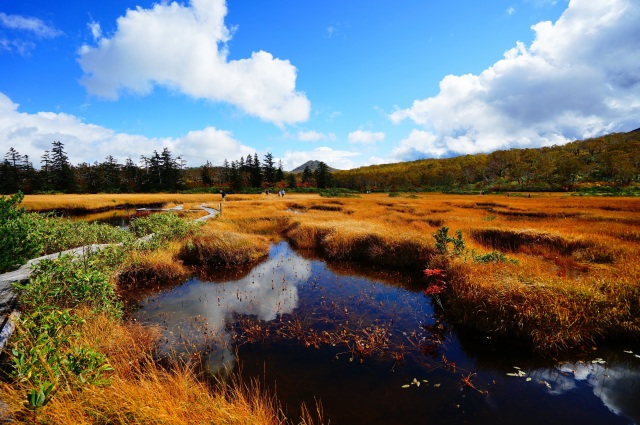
[194,315]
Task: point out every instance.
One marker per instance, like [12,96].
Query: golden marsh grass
[143,392]
[576,279]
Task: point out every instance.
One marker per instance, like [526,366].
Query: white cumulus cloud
[365,137]
[32,134]
[182,47]
[579,78]
[419,143]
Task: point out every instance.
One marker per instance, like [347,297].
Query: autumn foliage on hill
[612,160]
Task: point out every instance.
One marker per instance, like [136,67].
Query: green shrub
[18,243]
[443,240]
[492,257]
[164,227]
[46,355]
[68,282]
[59,234]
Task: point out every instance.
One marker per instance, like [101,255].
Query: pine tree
[269,168]
[323,176]
[206,174]
[279,173]
[256,172]
[62,177]
[291,181]
[307,176]
[130,177]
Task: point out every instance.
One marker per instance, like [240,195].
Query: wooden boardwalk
[9,308]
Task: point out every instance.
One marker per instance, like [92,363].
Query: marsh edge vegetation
[554,272]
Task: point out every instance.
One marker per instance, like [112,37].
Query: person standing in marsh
[223,194]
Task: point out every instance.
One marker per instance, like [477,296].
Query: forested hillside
[607,161]
[612,160]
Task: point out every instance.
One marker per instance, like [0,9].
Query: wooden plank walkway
[9,308]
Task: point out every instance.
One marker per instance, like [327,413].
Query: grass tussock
[148,268]
[222,248]
[552,313]
[536,242]
[364,242]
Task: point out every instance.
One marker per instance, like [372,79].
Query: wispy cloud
[33,25]
[17,33]
[314,136]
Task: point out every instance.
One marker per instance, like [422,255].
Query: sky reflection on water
[195,315]
[200,316]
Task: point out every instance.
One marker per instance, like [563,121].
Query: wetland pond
[371,347]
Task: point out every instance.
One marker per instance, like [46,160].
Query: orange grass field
[104,201]
[576,281]
[571,279]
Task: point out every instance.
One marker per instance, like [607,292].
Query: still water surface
[383,354]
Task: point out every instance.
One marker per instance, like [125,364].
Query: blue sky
[350,83]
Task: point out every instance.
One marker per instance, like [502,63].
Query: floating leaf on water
[598,361]
[406,386]
[528,379]
[436,385]
[628,351]
[425,381]
[637,355]
[545,383]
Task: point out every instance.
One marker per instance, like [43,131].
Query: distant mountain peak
[313,165]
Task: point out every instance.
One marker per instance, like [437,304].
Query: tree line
[613,159]
[158,172]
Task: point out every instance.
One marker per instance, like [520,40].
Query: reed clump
[222,248]
[534,241]
[552,313]
[147,268]
[360,241]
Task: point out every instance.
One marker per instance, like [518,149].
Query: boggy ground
[556,271]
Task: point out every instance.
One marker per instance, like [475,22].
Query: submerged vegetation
[555,272]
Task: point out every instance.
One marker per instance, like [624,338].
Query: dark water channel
[383,356]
